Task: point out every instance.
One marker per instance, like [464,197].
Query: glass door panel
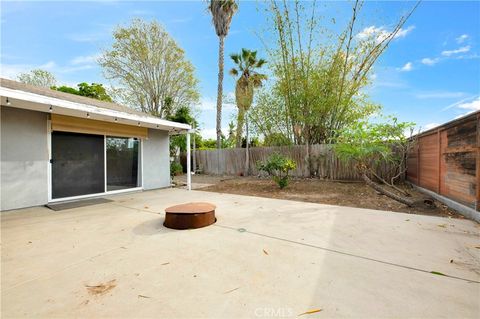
[122,163]
[78,164]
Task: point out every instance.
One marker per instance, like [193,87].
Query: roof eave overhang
[41,103]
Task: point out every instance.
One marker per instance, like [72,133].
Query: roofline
[448,124]
[76,109]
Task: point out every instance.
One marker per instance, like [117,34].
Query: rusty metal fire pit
[190,215]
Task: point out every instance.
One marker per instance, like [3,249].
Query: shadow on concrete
[152,227]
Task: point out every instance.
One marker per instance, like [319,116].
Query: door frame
[50,176]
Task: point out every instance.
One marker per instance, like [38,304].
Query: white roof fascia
[106,114]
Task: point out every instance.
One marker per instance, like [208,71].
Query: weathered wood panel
[413,165]
[429,150]
[324,163]
[447,161]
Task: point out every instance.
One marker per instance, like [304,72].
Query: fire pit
[190,215]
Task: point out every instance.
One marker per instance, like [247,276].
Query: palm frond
[260,63]
[245,54]
[233,72]
[257,79]
[235,57]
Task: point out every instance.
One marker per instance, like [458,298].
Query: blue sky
[429,75]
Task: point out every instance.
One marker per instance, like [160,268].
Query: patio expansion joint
[137,209]
[335,251]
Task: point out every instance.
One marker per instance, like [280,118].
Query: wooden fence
[325,164]
[447,160]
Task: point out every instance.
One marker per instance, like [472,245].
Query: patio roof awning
[19,95]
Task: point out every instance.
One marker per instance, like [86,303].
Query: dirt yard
[352,194]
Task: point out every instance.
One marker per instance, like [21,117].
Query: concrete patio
[263,258]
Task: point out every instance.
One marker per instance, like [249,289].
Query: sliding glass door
[122,163]
[78,164]
[85,164]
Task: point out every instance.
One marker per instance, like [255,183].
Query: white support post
[189,173]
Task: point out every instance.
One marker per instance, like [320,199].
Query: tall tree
[248,79]
[150,66]
[222,12]
[38,77]
[320,73]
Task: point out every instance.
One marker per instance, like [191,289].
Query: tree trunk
[240,121]
[220,92]
[386,192]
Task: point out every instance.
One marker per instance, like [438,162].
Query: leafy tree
[253,142]
[279,167]
[94,90]
[231,138]
[319,74]
[38,77]
[248,79]
[369,144]
[179,142]
[222,13]
[208,144]
[151,68]
[277,139]
[268,116]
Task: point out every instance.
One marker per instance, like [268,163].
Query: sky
[429,75]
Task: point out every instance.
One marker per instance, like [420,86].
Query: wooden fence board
[447,161]
[324,164]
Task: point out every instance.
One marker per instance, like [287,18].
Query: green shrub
[175,169]
[278,166]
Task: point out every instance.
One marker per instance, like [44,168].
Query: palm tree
[222,13]
[249,79]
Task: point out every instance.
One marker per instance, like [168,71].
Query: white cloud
[381,33]
[459,50]
[468,56]
[11,71]
[211,133]
[85,59]
[99,32]
[440,95]
[471,106]
[462,101]
[407,67]
[462,38]
[429,61]
[402,33]
[210,104]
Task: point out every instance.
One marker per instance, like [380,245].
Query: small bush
[175,169]
[278,166]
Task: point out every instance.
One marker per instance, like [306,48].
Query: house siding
[156,160]
[24,158]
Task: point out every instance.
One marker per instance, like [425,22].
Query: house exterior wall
[156,160]
[24,158]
